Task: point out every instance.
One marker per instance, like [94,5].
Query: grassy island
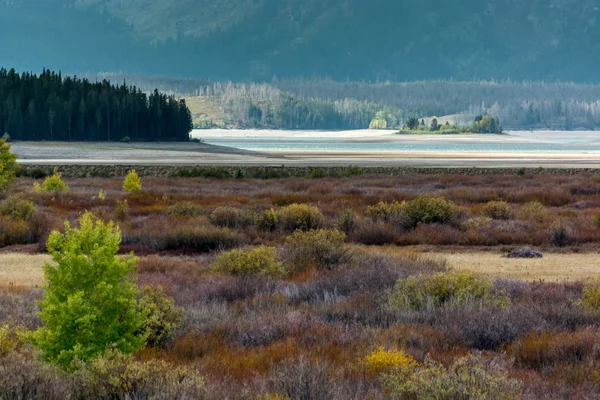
[482,124]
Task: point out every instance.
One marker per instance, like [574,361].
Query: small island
[484,124]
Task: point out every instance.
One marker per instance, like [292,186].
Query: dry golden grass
[22,269]
[553,267]
[203,108]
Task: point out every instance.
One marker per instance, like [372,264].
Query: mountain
[341,39]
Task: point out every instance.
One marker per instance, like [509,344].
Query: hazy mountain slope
[358,39]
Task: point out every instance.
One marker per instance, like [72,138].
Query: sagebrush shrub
[8,342]
[375,233]
[346,220]
[121,210]
[17,231]
[323,249]
[184,209]
[302,379]
[470,377]
[231,217]
[161,317]
[384,211]
[451,287]
[497,210]
[541,349]
[300,217]
[560,234]
[17,208]
[535,211]
[24,376]
[252,261]
[385,361]
[118,376]
[590,297]
[430,210]
[476,223]
[267,220]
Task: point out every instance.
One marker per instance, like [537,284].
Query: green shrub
[203,172]
[8,341]
[346,221]
[597,219]
[452,288]
[118,376]
[253,261]
[52,184]
[497,210]
[267,221]
[16,231]
[590,297]
[231,217]
[122,210]
[430,210]
[352,170]
[161,317]
[184,209]
[535,210]
[384,211]
[16,208]
[470,377]
[323,249]
[317,173]
[300,217]
[132,182]
[90,300]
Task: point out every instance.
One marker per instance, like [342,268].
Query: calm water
[516,142]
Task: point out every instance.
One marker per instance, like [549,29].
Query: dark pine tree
[53,107]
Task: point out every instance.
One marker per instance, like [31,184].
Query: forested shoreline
[329,104]
[52,107]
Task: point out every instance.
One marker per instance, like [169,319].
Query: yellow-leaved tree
[132,182]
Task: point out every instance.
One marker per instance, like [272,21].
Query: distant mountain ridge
[352,39]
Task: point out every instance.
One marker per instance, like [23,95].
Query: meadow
[350,287]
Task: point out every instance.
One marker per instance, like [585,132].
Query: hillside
[259,39]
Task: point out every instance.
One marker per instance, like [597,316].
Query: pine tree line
[53,107]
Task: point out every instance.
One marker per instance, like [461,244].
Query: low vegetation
[339,287]
[253,261]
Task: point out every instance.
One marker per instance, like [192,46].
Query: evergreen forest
[52,107]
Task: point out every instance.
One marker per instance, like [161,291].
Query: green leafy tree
[132,182]
[8,164]
[52,184]
[434,125]
[90,301]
